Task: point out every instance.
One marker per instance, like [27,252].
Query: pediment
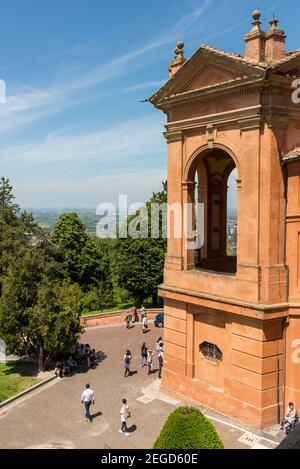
[207,67]
[210,74]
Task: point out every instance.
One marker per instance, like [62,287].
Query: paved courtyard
[53,416]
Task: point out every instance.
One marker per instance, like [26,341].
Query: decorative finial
[256,20]
[256,15]
[179,52]
[274,22]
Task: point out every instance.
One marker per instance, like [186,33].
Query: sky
[73,130]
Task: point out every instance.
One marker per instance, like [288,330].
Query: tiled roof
[292,155]
[289,56]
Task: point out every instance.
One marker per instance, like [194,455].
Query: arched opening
[215,197]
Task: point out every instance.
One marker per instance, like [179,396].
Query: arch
[199,154]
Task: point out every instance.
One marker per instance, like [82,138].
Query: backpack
[127,359]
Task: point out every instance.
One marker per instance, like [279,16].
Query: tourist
[160,359]
[159,345]
[150,354]
[127,362]
[127,320]
[290,417]
[144,351]
[87,399]
[144,324]
[71,364]
[143,312]
[93,357]
[134,315]
[59,370]
[124,414]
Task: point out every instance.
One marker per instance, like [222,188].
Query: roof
[292,155]
[233,58]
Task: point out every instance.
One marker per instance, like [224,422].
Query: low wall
[117,317]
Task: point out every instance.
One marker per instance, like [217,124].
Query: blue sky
[73,131]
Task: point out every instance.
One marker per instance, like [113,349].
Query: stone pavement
[53,416]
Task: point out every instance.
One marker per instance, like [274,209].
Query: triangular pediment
[207,67]
[210,74]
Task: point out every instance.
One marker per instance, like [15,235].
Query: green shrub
[187,428]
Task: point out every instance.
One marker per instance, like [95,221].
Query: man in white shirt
[124,414]
[87,399]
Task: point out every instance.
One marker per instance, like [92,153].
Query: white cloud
[30,105]
[91,191]
[144,86]
[126,140]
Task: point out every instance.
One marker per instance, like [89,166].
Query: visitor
[160,359]
[128,319]
[88,398]
[127,362]
[59,370]
[143,312]
[150,354]
[134,315]
[144,324]
[93,357]
[144,351]
[290,417]
[159,345]
[124,414]
[71,364]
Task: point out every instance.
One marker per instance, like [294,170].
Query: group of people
[133,316]
[88,399]
[83,356]
[147,355]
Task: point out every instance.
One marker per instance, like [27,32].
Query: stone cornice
[173,135]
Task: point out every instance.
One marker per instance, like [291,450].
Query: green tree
[137,263]
[39,311]
[81,256]
[187,428]
[8,209]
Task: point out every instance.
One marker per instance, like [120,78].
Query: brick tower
[232,323]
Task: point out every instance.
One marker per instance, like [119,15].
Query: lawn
[16,376]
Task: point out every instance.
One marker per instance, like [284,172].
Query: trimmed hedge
[187,428]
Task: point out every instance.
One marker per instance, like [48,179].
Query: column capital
[186,185]
[173,135]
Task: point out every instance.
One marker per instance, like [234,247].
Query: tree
[81,256]
[39,311]
[187,428]
[137,263]
[8,209]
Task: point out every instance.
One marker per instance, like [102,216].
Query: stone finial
[179,52]
[179,58]
[274,23]
[256,20]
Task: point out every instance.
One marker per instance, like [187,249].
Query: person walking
[144,351]
[159,345]
[150,354]
[88,398]
[124,414]
[143,312]
[127,362]
[160,360]
[144,324]
[128,319]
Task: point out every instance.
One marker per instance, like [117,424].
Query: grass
[16,376]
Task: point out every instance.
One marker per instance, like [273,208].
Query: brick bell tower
[232,324]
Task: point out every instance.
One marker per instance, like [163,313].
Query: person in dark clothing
[160,359]
[144,351]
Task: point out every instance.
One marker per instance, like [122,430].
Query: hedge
[187,428]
